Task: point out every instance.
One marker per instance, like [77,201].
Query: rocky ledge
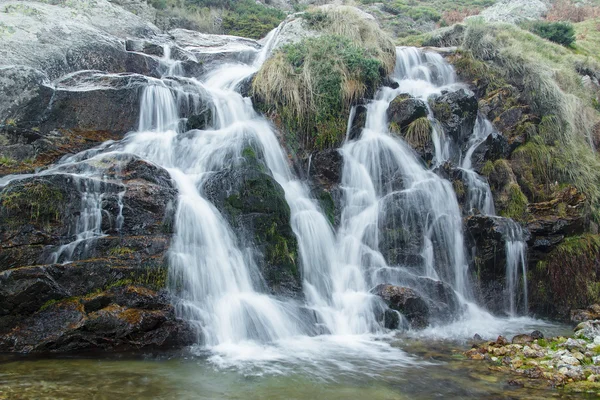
[570,363]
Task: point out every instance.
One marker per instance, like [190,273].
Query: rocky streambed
[570,363]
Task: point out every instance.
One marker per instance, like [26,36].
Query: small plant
[562,33]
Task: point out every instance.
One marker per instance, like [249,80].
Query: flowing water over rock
[400,225]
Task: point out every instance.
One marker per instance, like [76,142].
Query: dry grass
[565,10]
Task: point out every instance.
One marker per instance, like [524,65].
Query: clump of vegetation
[418,132]
[562,33]
[311,85]
[516,205]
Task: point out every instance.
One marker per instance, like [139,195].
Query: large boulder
[515,11]
[457,112]
[407,302]
[404,110]
[255,206]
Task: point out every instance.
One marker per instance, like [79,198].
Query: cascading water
[217,283]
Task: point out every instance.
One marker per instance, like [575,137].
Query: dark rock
[501,341]
[358,123]
[200,121]
[457,112]
[493,148]
[549,226]
[536,335]
[402,220]
[391,319]
[122,320]
[407,302]
[404,110]
[326,167]
[477,338]
[245,86]
[487,236]
[255,205]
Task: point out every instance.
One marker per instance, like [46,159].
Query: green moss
[327,205]
[120,251]
[38,199]
[487,168]
[516,206]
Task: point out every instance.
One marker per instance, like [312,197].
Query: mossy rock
[255,206]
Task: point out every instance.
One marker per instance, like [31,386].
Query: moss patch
[39,200]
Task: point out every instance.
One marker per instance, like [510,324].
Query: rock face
[514,11]
[255,206]
[404,110]
[457,112]
[112,295]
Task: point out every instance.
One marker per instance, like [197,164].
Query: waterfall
[515,248]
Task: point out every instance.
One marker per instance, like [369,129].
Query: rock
[574,344]
[72,37]
[407,302]
[404,110]
[128,317]
[41,213]
[457,112]
[501,341]
[514,11]
[487,236]
[402,219]
[358,123]
[208,48]
[326,167]
[588,330]
[255,206]
[493,148]
[522,339]
[537,335]
[582,315]
[477,338]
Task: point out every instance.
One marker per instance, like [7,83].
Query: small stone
[501,341]
[592,378]
[569,360]
[597,340]
[563,370]
[517,363]
[477,338]
[494,359]
[578,355]
[596,359]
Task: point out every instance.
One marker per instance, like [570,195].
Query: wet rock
[407,302]
[326,167]
[404,110]
[130,317]
[255,205]
[537,335]
[402,221]
[358,123]
[493,148]
[457,112]
[486,236]
[548,226]
[515,11]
